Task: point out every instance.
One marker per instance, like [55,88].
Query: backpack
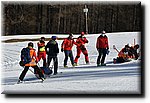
[25,57]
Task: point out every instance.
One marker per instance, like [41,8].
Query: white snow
[122,78]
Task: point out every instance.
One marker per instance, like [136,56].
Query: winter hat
[43,38]
[82,33]
[30,44]
[54,37]
[103,32]
[70,34]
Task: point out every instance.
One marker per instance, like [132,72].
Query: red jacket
[81,41]
[102,42]
[67,44]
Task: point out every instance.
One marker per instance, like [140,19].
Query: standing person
[66,46]
[52,50]
[80,42]
[102,48]
[41,50]
[30,56]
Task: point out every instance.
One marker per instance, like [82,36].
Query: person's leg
[39,71]
[71,57]
[44,59]
[23,73]
[49,59]
[103,57]
[99,56]
[78,55]
[39,55]
[86,56]
[66,57]
[55,59]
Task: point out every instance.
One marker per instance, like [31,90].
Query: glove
[36,61]
[62,49]
[107,52]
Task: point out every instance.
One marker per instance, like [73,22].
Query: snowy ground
[122,78]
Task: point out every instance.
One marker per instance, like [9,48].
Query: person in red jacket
[102,48]
[80,42]
[66,46]
[41,51]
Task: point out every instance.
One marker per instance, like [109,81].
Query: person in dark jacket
[52,50]
[102,48]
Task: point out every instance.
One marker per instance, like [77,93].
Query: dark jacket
[52,48]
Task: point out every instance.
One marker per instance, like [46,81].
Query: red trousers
[43,56]
[84,51]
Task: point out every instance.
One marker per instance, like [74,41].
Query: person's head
[82,33]
[54,37]
[70,35]
[30,45]
[136,46]
[127,47]
[103,33]
[42,39]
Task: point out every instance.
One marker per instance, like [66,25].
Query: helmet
[30,44]
[82,33]
[103,32]
[54,37]
[43,38]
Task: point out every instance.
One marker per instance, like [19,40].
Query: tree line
[50,17]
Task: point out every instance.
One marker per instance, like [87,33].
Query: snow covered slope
[113,79]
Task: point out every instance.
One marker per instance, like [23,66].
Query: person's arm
[107,43]
[85,40]
[36,58]
[97,43]
[63,45]
[57,49]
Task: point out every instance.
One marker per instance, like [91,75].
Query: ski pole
[114,47]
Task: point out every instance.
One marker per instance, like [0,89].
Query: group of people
[51,49]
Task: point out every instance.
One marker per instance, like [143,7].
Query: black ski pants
[102,54]
[55,61]
[27,68]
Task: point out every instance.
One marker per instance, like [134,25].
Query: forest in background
[63,17]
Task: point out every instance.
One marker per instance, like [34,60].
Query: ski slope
[122,78]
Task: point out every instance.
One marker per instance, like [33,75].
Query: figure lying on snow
[127,54]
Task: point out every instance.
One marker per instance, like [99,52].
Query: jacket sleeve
[57,49]
[97,43]
[46,48]
[63,44]
[85,40]
[107,43]
[34,54]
